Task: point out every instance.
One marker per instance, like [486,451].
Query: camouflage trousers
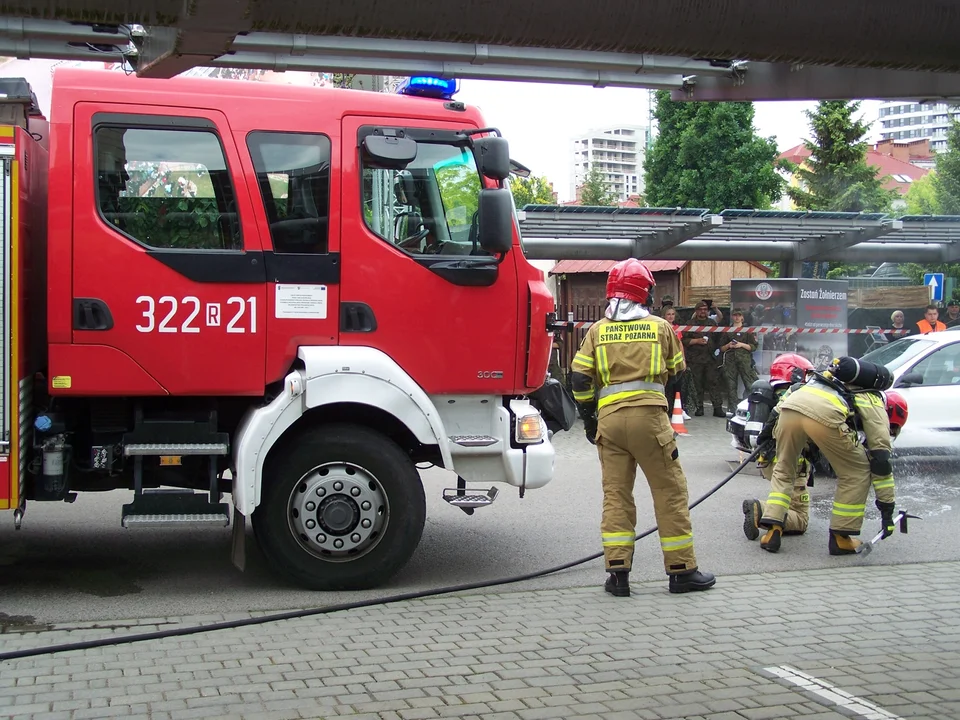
[705,382]
[738,365]
[682,383]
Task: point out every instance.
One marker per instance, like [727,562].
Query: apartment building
[618,151]
[909,120]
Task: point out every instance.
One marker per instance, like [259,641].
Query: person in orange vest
[930,323]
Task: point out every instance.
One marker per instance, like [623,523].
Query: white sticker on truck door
[301,301]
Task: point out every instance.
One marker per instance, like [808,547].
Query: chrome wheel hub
[338,511]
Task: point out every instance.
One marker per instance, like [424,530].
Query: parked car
[926,371]
[889,270]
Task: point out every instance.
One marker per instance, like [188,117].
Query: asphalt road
[75,563]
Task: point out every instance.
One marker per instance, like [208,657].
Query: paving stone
[553,654]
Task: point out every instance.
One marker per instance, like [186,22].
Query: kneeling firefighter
[618,378]
[843,411]
[787,373]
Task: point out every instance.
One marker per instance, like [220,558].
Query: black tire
[317,459]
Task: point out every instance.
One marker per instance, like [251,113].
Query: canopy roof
[560,232]
[699,49]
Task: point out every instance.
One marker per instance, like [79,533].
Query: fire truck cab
[292,295]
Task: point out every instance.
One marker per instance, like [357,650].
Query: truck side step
[463,498]
[168,507]
[149,449]
[473,440]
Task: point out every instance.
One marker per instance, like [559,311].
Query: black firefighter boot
[752,511]
[842,544]
[771,538]
[618,583]
[691,580]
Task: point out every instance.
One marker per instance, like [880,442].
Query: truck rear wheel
[342,508]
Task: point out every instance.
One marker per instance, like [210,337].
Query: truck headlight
[529,428]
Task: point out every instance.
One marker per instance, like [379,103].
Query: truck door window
[293,172]
[430,207]
[166,188]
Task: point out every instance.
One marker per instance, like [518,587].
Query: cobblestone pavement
[867,642]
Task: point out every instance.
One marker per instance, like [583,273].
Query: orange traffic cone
[677,420]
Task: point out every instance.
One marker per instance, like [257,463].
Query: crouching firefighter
[618,378]
[844,412]
[787,373]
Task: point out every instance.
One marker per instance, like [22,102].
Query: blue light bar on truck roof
[426,86]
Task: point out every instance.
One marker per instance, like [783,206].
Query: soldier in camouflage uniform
[737,347]
[699,348]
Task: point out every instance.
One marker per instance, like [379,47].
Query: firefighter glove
[590,428]
[886,517]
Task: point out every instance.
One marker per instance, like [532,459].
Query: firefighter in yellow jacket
[830,410]
[787,371]
[618,379]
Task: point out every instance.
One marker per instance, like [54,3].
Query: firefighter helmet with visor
[896,411]
[789,368]
[631,280]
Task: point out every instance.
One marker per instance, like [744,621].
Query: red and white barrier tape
[576,325]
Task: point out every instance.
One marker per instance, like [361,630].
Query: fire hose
[325,610]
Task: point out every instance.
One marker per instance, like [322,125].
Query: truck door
[419,286]
[167,263]
[299,193]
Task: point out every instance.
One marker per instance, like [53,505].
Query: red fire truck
[293,295]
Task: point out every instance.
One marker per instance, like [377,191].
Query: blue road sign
[934,281]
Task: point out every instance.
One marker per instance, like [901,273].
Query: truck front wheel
[342,508]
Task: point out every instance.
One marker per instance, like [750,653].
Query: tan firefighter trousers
[642,435]
[840,447]
[798,514]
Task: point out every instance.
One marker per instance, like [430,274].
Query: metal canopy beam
[782,81]
[766,251]
[650,229]
[218,33]
[465,71]
[915,35]
[204,31]
[573,232]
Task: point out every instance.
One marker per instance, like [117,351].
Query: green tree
[946,181]
[594,190]
[707,154]
[531,191]
[922,196]
[836,177]
[846,270]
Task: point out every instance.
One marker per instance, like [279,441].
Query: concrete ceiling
[779,48]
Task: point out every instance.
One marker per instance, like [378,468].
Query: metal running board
[173,507]
[463,498]
[176,449]
[158,520]
[473,440]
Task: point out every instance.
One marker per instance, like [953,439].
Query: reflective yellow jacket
[628,363]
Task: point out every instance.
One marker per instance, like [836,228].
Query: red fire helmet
[631,280]
[896,411]
[789,368]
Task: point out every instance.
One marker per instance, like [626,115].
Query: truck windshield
[430,207]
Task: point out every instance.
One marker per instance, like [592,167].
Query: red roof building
[895,161]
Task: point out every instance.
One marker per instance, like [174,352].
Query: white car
[926,371]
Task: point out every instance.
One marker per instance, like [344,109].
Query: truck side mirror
[390,152]
[493,157]
[495,219]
